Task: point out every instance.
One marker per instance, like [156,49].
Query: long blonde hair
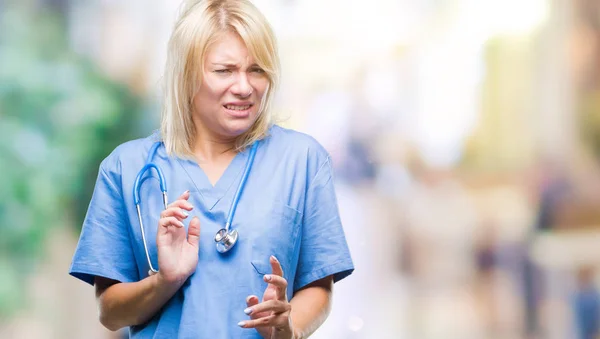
[199,25]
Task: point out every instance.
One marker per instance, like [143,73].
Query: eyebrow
[230,65]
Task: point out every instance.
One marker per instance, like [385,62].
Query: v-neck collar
[212,194]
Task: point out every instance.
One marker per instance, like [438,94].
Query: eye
[257,70]
[223,70]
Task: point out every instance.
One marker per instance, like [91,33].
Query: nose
[242,87]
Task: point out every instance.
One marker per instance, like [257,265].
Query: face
[229,98]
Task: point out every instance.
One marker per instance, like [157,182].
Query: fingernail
[241,323]
[185,213]
[186,191]
[248,311]
[267,277]
[274,258]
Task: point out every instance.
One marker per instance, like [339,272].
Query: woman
[276,281]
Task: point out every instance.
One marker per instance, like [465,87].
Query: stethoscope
[225,238]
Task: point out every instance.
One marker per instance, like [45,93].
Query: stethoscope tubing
[163,187]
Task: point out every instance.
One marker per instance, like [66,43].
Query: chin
[237,127]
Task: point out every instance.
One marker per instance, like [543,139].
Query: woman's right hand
[177,249]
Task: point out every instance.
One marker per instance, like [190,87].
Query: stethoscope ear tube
[152,269]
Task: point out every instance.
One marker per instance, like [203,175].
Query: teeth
[237,108]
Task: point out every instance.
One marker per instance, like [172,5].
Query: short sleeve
[323,248]
[104,247]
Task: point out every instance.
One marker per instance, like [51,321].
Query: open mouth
[237,108]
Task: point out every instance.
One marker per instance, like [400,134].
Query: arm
[311,306]
[128,304]
[276,318]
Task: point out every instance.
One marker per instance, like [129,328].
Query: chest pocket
[275,229]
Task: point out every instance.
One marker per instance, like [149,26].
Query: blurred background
[465,136]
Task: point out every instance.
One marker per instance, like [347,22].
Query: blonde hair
[199,25]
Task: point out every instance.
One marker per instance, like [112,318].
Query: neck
[211,149]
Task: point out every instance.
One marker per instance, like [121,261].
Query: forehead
[228,48]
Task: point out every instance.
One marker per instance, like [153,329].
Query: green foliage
[59,117]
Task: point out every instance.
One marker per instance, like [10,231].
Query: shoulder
[290,142]
[298,150]
[129,152]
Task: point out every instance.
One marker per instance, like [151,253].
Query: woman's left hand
[271,317]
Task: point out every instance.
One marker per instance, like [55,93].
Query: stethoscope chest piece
[225,240]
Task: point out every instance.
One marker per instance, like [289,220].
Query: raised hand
[271,317]
[177,250]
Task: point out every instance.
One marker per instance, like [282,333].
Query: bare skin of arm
[311,306]
[128,304]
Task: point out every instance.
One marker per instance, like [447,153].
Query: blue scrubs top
[288,209]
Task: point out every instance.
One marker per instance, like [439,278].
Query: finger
[251,300]
[280,284]
[276,266]
[276,306]
[174,212]
[185,195]
[169,221]
[267,321]
[194,232]
[182,202]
